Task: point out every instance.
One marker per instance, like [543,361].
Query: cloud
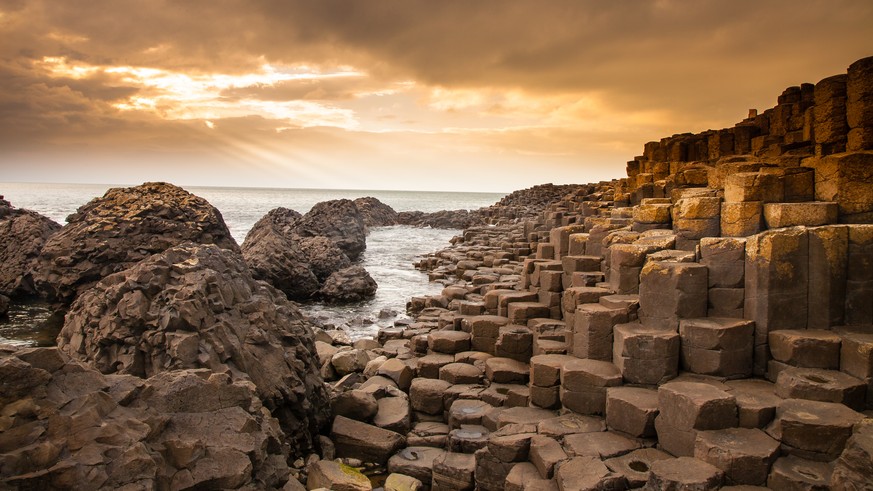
[507,81]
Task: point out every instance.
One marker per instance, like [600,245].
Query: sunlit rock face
[22,236]
[197,306]
[126,225]
[376,213]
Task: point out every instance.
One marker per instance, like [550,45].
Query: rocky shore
[704,323]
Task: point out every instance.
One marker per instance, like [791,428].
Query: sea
[391,251]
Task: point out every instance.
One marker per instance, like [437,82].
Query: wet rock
[376,213]
[22,236]
[351,284]
[197,306]
[114,232]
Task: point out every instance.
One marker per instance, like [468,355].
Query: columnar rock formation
[126,225]
[705,322]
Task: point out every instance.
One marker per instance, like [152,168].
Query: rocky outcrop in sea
[704,323]
[24,234]
[307,256]
[125,226]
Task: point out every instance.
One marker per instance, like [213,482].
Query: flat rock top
[818,413]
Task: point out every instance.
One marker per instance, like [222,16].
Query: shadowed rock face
[126,225]
[298,254]
[197,306]
[22,236]
[338,220]
[352,284]
[275,256]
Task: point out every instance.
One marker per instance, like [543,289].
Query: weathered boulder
[324,256]
[4,305]
[67,426]
[340,221]
[351,284]
[22,236]
[302,254]
[197,306]
[376,213]
[111,233]
[275,256]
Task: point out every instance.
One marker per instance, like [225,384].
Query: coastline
[699,323]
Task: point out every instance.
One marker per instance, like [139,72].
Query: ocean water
[388,258]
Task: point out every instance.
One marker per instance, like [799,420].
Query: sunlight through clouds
[199,96]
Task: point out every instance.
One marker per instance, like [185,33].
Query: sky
[453,95]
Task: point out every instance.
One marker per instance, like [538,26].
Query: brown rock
[588,474]
[426,395]
[636,466]
[416,462]
[355,404]
[351,284]
[126,225]
[22,236]
[853,466]
[792,472]
[813,430]
[683,473]
[336,476]
[745,455]
[198,307]
[365,442]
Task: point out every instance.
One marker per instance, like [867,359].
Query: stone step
[810,214]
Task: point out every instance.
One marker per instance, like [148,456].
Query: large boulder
[274,255]
[340,221]
[22,236]
[352,284]
[300,254]
[375,212]
[324,256]
[126,225]
[67,426]
[197,306]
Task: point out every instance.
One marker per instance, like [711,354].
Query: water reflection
[31,323]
